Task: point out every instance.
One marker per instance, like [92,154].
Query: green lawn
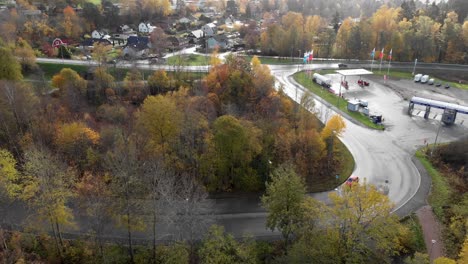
[331,98]
[276,60]
[189,59]
[409,76]
[440,191]
[50,69]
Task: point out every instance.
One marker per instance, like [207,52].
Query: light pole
[433,241]
[437,136]
[414,68]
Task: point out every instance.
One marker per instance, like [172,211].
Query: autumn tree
[135,86]
[101,53]
[125,167]
[95,202]
[72,88]
[282,199]
[102,81]
[160,120]
[75,141]
[159,82]
[10,69]
[46,183]
[18,106]
[9,176]
[159,41]
[25,54]
[220,247]
[72,26]
[334,127]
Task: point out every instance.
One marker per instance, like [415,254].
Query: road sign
[57,42]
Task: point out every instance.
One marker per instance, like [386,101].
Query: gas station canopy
[354,72]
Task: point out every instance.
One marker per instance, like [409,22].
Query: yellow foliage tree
[444,260]
[335,125]
[214,59]
[8,174]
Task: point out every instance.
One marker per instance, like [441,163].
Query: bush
[116,114]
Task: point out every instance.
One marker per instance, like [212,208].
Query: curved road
[383,158]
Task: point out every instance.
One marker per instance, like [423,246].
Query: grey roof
[439,104]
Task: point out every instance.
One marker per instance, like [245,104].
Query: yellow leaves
[8,173]
[463,256]
[335,125]
[444,260]
[75,133]
[214,58]
[69,79]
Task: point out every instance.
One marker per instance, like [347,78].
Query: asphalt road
[383,158]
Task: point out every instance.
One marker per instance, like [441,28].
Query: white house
[209,29]
[96,34]
[145,28]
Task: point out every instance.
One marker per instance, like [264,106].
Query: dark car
[438,84]
[447,86]
[342,65]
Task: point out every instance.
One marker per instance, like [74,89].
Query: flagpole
[381,58]
[389,61]
[373,57]
[414,69]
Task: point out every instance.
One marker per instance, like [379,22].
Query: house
[209,29]
[196,36]
[145,28]
[137,47]
[125,29]
[219,41]
[97,34]
[177,42]
[89,42]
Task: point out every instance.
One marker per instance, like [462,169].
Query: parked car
[362,83]
[430,82]
[424,79]
[352,180]
[438,84]
[417,77]
[447,86]
[342,65]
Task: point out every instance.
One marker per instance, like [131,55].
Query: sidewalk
[431,231]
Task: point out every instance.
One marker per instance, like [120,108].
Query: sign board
[57,42]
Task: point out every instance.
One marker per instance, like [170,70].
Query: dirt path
[431,231]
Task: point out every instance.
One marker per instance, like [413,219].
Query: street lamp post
[437,136]
[433,241]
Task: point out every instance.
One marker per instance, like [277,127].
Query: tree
[220,248]
[159,82]
[236,144]
[101,82]
[125,167]
[161,122]
[9,176]
[417,258]
[95,200]
[463,256]
[46,184]
[101,53]
[335,126]
[25,54]
[444,260]
[71,86]
[71,23]
[282,199]
[75,140]
[362,214]
[214,59]
[159,41]
[135,86]
[10,69]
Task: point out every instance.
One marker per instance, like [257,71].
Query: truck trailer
[321,80]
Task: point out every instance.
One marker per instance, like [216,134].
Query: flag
[373,53]
[390,55]
[381,54]
[306,57]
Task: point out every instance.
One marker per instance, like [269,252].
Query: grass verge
[331,98]
[440,190]
[416,242]
[409,76]
[189,59]
[276,60]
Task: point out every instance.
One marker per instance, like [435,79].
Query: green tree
[236,144]
[10,69]
[283,198]
[418,258]
[220,248]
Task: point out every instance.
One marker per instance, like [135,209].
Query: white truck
[321,80]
